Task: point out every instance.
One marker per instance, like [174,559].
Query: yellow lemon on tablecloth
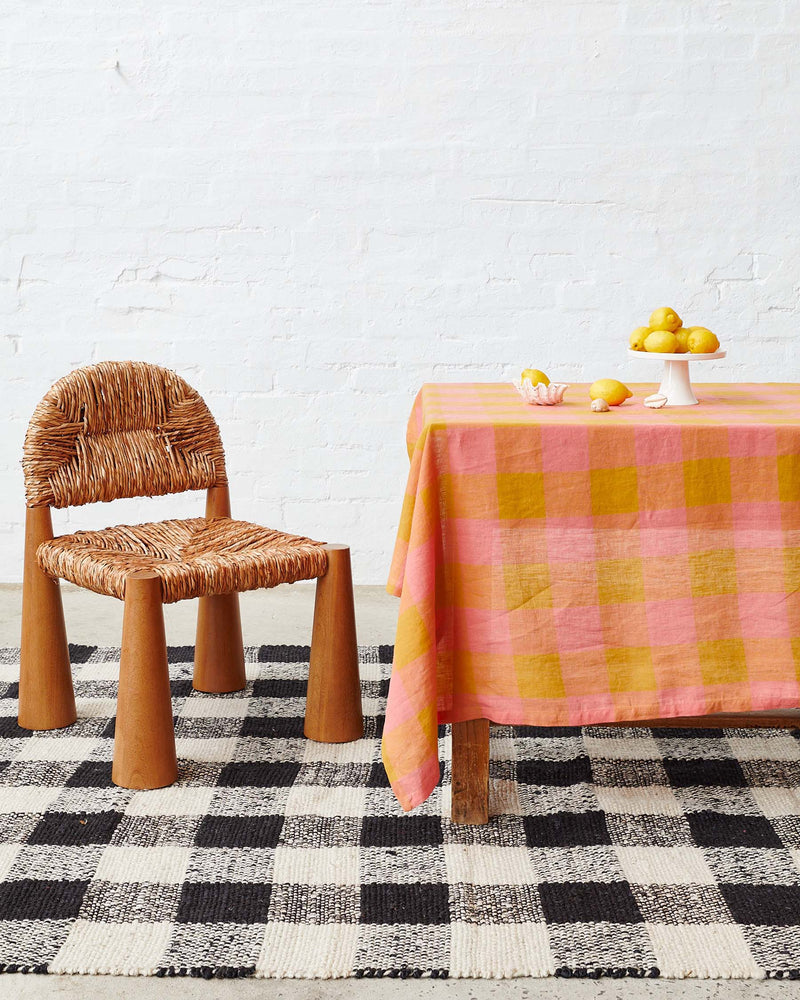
[665,319]
[661,342]
[702,341]
[638,337]
[611,390]
[535,376]
[682,336]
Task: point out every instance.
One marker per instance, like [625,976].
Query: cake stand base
[676,384]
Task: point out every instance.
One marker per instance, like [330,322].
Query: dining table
[558,566]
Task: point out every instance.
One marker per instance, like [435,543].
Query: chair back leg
[333,704]
[46,697]
[144,743]
[219,651]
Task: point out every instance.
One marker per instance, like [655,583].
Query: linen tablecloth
[561,567]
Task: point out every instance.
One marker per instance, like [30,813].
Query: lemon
[535,376]
[609,389]
[638,338]
[682,336]
[665,319]
[661,342]
[702,341]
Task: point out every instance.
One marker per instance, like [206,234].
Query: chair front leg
[46,696]
[144,744]
[333,703]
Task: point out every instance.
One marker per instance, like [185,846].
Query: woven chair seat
[195,557]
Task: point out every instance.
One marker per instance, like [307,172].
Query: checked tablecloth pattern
[561,567]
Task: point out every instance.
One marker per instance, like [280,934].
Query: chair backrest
[120,429]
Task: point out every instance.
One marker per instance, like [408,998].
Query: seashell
[656,401]
[600,406]
[541,394]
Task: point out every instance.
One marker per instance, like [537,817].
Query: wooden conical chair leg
[333,704]
[46,697]
[219,651]
[144,745]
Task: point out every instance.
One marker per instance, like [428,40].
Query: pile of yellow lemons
[666,334]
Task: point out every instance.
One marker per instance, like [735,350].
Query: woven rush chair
[129,429]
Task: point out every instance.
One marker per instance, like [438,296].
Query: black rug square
[396,831]
[224,902]
[770,905]
[684,773]
[588,902]
[239,831]
[412,903]
[566,829]
[553,772]
[75,828]
[713,829]
[8,723]
[91,774]
[45,899]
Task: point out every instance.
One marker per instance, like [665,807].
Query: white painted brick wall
[309,209]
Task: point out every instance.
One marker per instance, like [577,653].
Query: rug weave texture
[609,852]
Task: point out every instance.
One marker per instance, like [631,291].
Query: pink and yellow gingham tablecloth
[561,567]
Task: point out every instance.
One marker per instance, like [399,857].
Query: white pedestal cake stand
[676,384]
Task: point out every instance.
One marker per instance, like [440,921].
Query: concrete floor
[284,616]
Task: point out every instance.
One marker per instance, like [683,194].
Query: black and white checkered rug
[609,852]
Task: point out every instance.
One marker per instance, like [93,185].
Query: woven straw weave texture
[120,429]
[128,428]
[194,557]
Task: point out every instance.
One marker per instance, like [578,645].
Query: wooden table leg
[470,791]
